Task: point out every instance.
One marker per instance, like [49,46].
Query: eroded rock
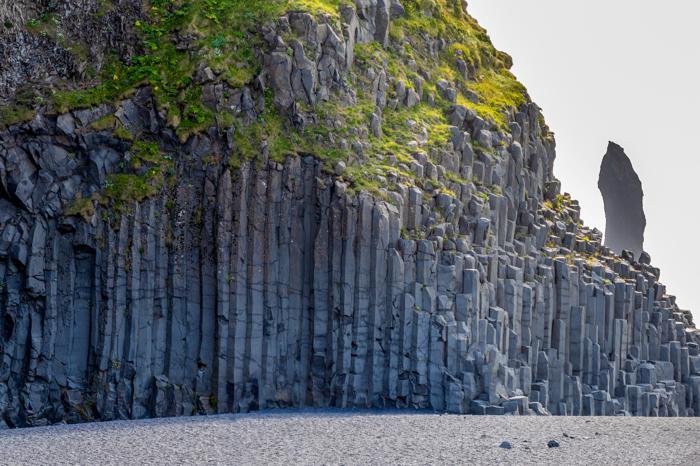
[276,282]
[623,198]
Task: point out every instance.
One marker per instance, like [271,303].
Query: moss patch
[11,115]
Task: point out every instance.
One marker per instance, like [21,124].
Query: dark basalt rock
[83,34]
[623,198]
[244,283]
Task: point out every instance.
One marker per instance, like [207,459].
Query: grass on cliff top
[498,90]
[226,36]
[181,35]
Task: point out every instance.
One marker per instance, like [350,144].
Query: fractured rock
[283,282]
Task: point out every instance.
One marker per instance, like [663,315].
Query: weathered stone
[66,123]
[397,9]
[303,76]
[412,98]
[279,70]
[457,115]
[375,125]
[623,199]
[451,284]
[382,18]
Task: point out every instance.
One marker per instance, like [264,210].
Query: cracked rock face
[44,43]
[623,198]
[272,283]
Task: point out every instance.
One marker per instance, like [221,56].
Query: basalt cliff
[221,206]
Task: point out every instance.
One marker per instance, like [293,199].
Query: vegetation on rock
[173,241]
[182,38]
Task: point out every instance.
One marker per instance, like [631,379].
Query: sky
[626,71]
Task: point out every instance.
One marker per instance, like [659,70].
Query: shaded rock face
[269,284]
[623,198]
[274,286]
[44,43]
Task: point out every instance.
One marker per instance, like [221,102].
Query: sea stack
[624,202]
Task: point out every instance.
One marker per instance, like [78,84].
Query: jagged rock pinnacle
[623,198]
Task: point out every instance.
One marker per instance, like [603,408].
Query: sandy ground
[342,437]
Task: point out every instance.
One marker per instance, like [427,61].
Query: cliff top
[434,51]
[170,41]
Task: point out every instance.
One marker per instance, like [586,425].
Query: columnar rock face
[623,198]
[243,285]
[274,286]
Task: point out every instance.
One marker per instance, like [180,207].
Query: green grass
[11,115]
[82,206]
[148,171]
[559,204]
[107,123]
[226,37]
[126,187]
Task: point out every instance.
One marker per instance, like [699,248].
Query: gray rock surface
[274,287]
[84,34]
[624,202]
[241,285]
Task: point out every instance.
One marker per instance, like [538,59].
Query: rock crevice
[276,286]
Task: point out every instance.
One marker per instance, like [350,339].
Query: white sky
[621,70]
